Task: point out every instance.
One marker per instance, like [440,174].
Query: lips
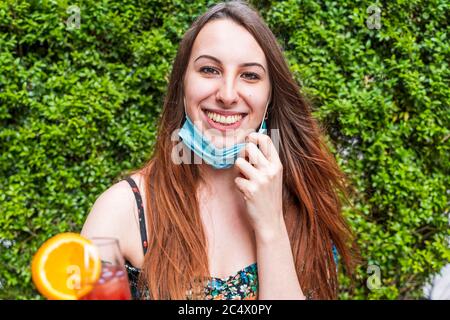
[222,126]
[225,112]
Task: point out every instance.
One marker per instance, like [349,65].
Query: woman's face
[226,83]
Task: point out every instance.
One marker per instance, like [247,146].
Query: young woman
[262,219]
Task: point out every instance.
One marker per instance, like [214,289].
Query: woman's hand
[262,186]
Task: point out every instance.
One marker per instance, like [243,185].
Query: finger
[266,146]
[255,156]
[245,187]
[247,169]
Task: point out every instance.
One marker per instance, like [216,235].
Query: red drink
[112,285]
[113,281]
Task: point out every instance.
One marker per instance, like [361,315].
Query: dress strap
[143,229]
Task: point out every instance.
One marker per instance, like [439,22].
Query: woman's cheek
[202,88]
[256,100]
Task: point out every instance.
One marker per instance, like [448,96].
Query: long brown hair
[177,260]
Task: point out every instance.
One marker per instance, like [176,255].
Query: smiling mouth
[222,119]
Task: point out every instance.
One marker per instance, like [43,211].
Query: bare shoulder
[109,212]
[115,214]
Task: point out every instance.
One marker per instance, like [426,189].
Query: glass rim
[104,241]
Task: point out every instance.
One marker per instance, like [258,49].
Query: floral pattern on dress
[241,286]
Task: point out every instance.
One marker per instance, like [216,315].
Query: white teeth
[223,119]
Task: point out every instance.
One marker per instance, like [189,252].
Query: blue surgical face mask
[216,157]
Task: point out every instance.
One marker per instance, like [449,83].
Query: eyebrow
[247,64]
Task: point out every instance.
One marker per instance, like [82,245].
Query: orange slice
[65,267]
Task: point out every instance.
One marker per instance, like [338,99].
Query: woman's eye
[209,70]
[246,75]
[250,76]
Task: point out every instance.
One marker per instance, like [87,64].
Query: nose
[227,93]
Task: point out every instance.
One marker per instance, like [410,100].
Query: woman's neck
[220,179]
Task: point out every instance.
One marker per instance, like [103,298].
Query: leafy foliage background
[78,107]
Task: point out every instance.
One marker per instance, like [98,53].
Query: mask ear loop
[265,111]
[184,106]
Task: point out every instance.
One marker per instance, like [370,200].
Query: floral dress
[241,286]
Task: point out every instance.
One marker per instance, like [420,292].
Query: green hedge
[79,107]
